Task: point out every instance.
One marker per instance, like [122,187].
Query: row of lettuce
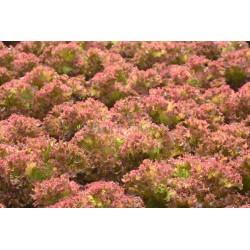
[124,124]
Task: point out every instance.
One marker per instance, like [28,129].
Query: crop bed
[124,124]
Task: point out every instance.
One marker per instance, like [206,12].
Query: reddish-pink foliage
[186,182]
[65,119]
[47,97]
[49,192]
[102,195]
[64,58]
[124,124]
[40,76]
[112,84]
[5,75]
[18,128]
[129,111]
[15,98]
